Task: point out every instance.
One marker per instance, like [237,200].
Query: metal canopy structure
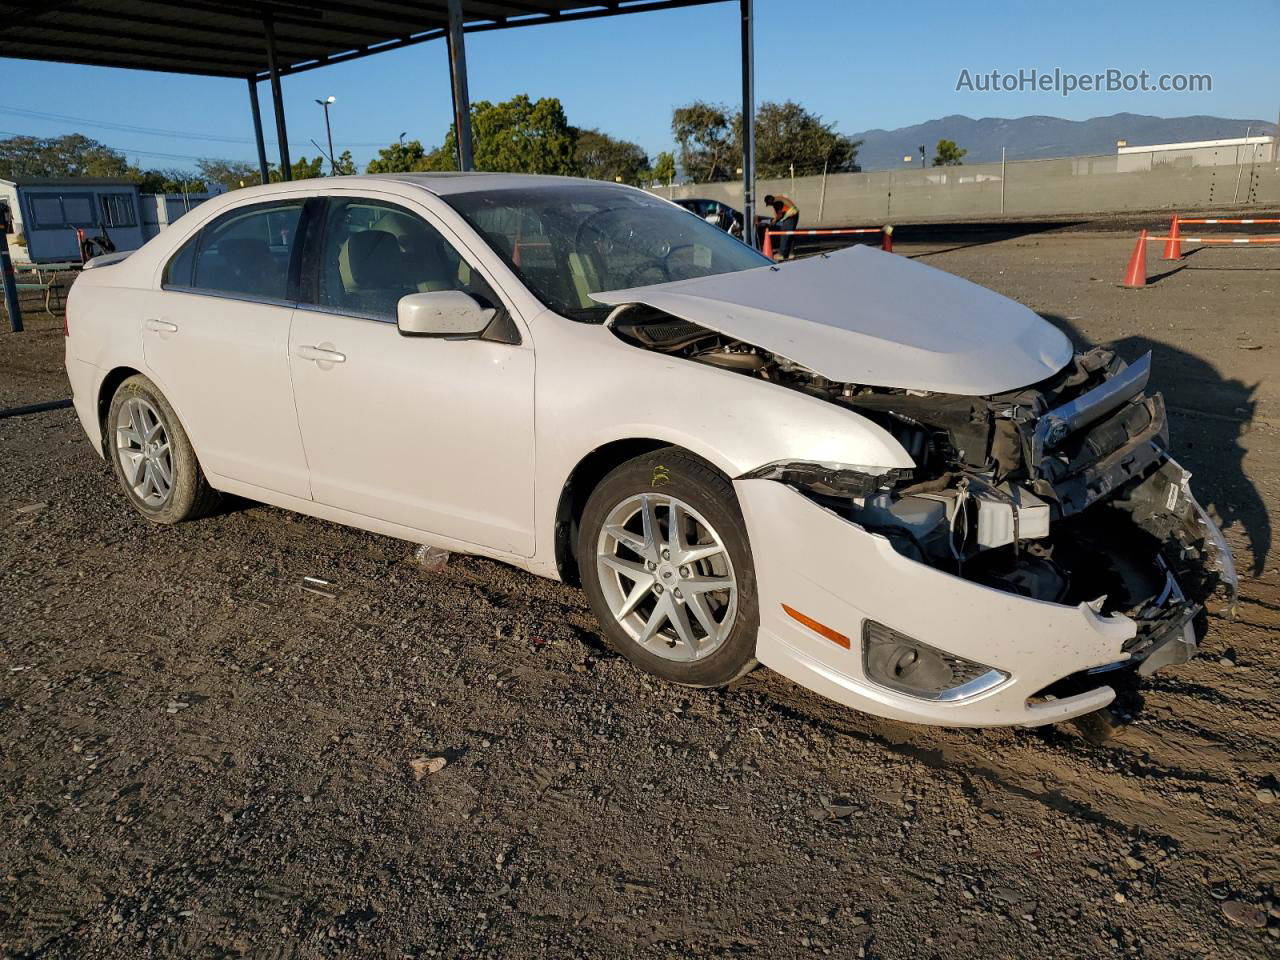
[271,39]
[223,38]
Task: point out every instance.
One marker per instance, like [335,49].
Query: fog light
[908,666]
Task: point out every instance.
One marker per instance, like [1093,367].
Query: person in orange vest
[785,217]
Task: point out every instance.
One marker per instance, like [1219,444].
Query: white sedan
[895,487]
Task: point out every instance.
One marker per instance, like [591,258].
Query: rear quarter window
[179,270]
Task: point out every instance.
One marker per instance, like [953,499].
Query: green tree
[704,135]
[602,157]
[346,165]
[789,137]
[302,169]
[231,174]
[234,174]
[168,181]
[399,157]
[73,155]
[948,154]
[519,135]
[664,167]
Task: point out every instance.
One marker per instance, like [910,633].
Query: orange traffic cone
[767,250]
[1136,275]
[886,239]
[1173,245]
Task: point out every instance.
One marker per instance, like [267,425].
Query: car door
[215,340]
[432,434]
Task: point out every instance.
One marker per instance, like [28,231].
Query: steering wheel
[661,251]
[589,223]
[660,268]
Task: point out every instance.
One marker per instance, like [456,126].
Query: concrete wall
[1068,186]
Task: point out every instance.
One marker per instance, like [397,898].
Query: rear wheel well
[110,383]
[586,476]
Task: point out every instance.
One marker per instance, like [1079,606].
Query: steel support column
[10,286]
[458,75]
[277,98]
[257,129]
[748,122]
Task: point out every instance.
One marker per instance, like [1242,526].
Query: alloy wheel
[667,577]
[143,451]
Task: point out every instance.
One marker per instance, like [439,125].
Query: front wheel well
[584,478]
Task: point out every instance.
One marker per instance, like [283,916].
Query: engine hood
[867,317]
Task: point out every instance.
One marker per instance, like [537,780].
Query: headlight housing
[905,665]
[832,479]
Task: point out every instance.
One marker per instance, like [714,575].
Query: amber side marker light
[822,630]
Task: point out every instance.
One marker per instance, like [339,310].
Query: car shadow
[1209,415]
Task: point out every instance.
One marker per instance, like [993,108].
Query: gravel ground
[198,759]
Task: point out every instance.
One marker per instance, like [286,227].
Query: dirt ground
[198,759]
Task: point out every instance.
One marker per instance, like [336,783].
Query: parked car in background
[715,213]
[893,486]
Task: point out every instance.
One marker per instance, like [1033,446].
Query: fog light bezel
[975,678]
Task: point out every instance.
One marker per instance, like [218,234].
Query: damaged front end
[1061,492]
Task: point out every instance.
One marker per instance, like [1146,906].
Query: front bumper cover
[838,574]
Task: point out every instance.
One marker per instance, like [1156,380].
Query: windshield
[568,242]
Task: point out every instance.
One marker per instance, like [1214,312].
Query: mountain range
[1030,138]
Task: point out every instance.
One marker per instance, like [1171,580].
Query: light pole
[333,166]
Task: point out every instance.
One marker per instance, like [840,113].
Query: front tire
[152,457]
[664,558]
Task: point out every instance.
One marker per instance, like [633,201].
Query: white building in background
[48,212]
[1197,153]
[161,209]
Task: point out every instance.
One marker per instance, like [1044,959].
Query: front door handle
[321,355]
[160,326]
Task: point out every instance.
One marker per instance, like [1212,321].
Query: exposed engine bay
[1062,491]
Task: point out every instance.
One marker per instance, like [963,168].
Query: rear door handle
[321,355]
[160,326]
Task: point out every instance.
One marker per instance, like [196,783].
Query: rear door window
[244,253]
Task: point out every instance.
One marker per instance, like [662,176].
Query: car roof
[452,182]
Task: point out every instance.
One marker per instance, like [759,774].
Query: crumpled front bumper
[839,575]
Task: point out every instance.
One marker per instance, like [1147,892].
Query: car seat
[374,272]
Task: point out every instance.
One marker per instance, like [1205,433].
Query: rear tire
[674,593]
[152,457]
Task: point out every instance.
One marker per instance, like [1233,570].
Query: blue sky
[860,64]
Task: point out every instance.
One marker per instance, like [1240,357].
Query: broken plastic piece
[432,559]
[319,587]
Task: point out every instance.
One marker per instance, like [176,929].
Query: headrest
[369,259]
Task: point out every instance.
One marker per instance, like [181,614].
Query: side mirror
[442,313]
